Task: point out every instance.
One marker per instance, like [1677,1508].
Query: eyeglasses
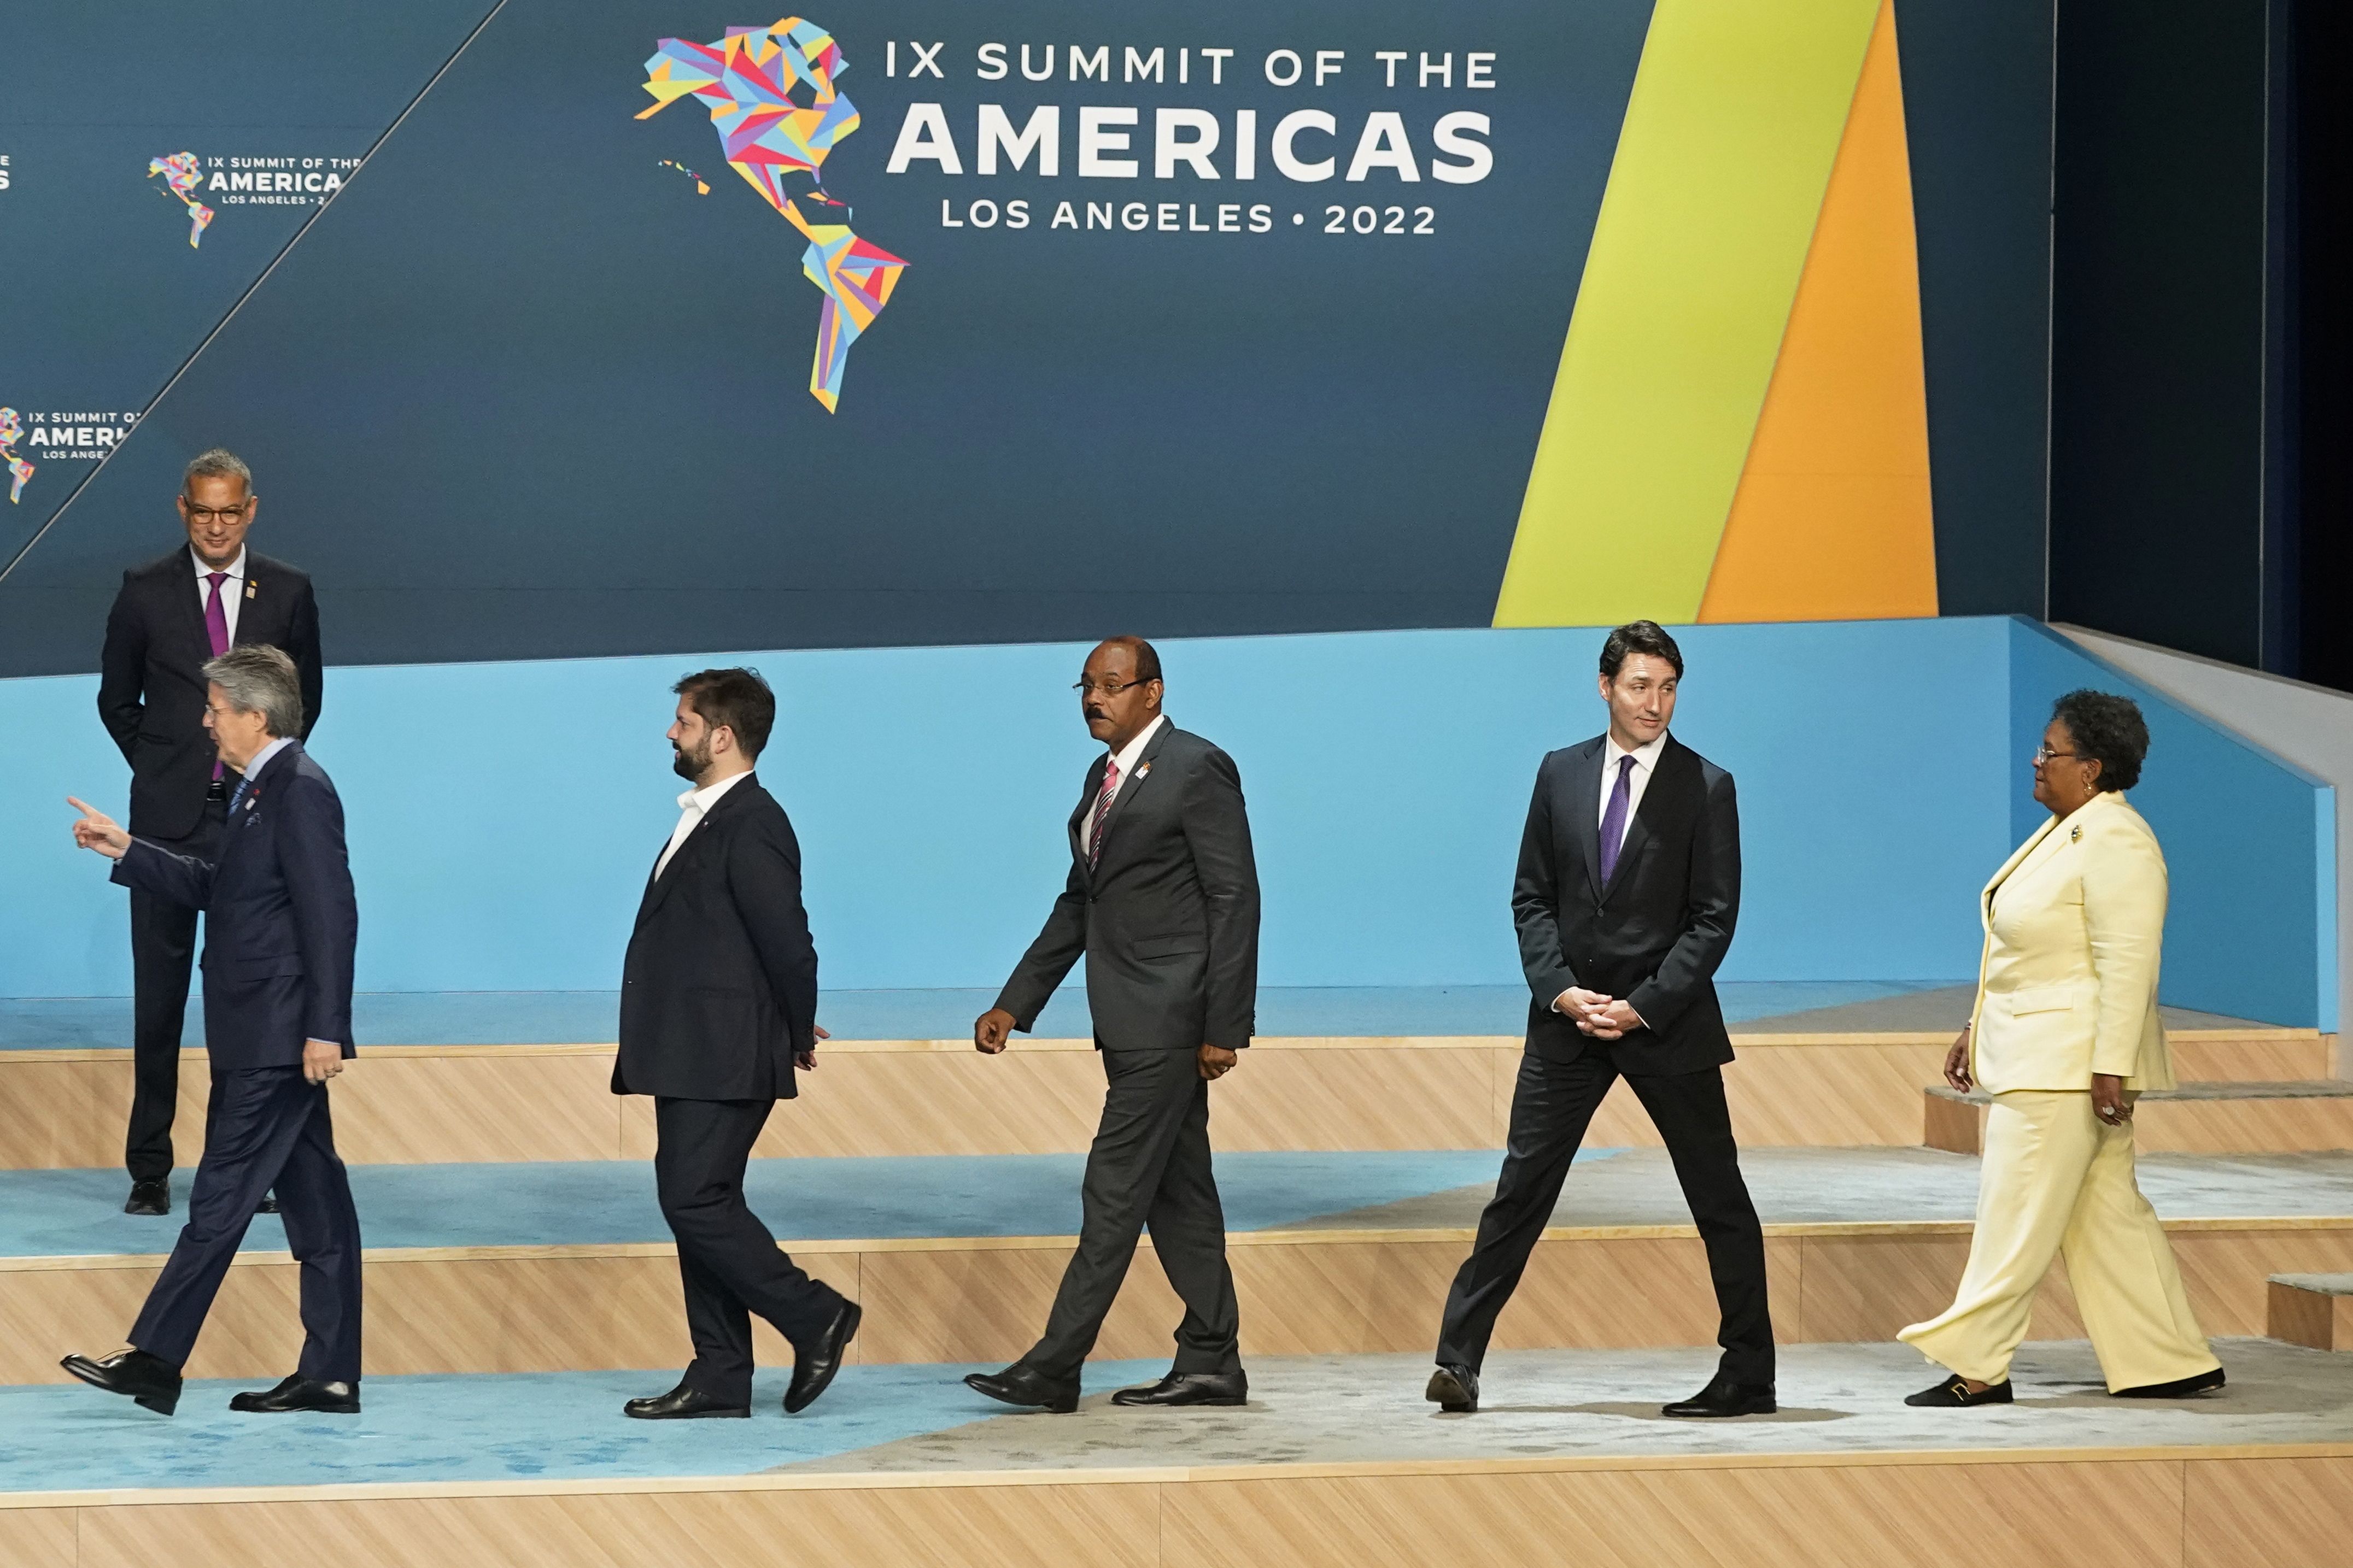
[2044,753]
[221,513]
[1105,688]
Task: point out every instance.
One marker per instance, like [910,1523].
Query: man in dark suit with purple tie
[1629,885]
[281,931]
[172,615]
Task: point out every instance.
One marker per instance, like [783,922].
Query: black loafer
[149,1197]
[1189,1388]
[146,1380]
[1953,1393]
[1018,1384]
[1453,1389]
[683,1404]
[1723,1397]
[301,1394]
[814,1368]
[2179,1388]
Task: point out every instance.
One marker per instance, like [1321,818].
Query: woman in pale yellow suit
[2064,1038]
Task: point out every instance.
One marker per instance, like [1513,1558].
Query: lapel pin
[1144,771]
[250,587]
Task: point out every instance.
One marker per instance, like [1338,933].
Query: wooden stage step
[984,1298]
[1332,1462]
[446,1104]
[2244,1118]
[2311,1309]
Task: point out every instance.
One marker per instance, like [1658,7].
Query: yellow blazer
[2074,925]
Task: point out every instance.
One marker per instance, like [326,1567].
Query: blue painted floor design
[56,1213]
[582,1017]
[461,1427]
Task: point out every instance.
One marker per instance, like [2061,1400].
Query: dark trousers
[1550,1109]
[267,1127]
[727,1260]
[1149,1167]
[162,945]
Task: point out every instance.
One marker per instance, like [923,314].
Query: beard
[689,766]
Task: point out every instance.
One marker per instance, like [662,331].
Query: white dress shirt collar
[1646,756]
[703,800]
[235,569]
[1128,755]
[260,759]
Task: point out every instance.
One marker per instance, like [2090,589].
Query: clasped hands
[1603,1017]
[993,1030]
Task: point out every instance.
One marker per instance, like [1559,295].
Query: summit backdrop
[554,331]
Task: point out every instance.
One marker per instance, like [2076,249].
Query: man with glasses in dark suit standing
[173,615]
[1163,901]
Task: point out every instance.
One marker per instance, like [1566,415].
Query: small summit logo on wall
[199,183]
[12,430]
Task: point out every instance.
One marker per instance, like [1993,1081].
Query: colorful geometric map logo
[184,174]
[12,430]
[773,100]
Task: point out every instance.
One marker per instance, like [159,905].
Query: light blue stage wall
[2249,843]
[504,816]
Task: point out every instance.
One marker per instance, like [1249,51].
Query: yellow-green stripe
[1734,123]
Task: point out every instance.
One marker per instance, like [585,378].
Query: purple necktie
[1613,821]
[215,631]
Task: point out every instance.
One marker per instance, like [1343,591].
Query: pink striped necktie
[1102,809]
[216,629]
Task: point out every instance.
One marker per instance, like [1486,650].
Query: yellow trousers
[2056,1179]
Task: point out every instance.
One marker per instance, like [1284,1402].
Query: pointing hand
[98,831]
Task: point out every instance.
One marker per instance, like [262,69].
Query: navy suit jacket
[281,923]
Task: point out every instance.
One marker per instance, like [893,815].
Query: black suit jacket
[151,694]
[1656,933]
[1168,916]
[282,923]
[719,988]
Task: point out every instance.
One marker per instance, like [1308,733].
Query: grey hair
[259,678]
[214,464]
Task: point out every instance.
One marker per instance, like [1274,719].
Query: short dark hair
[1147,657]
[1639,636]
[737,699]
[2107,729]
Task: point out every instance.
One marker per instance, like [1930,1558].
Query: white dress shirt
[692,807]
[1124,759]
[1646,759]
[232,589]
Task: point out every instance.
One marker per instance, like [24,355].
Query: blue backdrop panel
[2249,843]
[504,816]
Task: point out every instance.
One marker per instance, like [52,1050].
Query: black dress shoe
[681,1403]
[268,1203]
[1190,1388]
[814,1368]
[2179,1388]
[1724,1398]
[1953,1393]
[1453,1389]
[1018,1384]
[149,1197]
[301,1394]
[148,1380]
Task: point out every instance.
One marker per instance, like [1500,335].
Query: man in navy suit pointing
[282,925]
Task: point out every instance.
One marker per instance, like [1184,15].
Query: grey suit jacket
[1168,917]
